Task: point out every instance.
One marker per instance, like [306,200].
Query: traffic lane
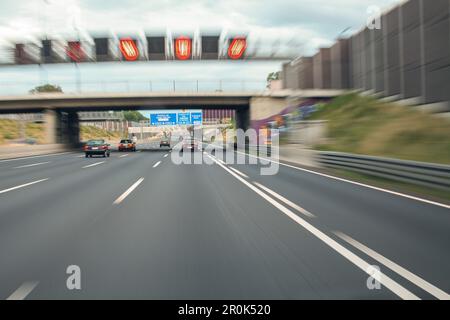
[33,229]
[411,233]
[195,232]
[83,173]
[38,223]
[8,163]
[152,146]
[14,174]
[17,175]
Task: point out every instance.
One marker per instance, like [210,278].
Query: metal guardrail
[419,173]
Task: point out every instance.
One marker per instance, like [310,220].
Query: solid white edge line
[352,182]
[31,165]
[23,185]
[129,190]
[239,173]
[286,201]
[421,283]
[33,157]
[23,291]
[93,165]
[389,283]
[156,164]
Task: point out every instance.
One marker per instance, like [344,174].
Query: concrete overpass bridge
[61,109]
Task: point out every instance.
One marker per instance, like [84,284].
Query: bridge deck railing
[119,86]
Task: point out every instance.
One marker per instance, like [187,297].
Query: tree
[273,76]
[46,88]
[135,116]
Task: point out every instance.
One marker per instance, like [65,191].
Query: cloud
[302,19]
[290,26]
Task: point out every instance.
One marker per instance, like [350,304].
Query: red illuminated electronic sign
[183,48]
[74,51]
[237,48]
[129,49]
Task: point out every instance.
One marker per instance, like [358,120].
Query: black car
[97,147]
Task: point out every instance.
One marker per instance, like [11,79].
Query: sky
[290,26]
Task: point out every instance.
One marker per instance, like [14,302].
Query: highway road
[141,227]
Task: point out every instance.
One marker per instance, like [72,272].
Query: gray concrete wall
[264,107]
[411,52]
[392,42]
[298,74]
[379,58]
[305,69]
[368,59]
[290,76]
[308,133]
[437,50]
[340,68]
[357,61]
[408,59]
[322,69]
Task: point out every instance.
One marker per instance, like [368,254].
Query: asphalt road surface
[141,227]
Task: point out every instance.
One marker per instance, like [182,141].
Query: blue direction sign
[184,118]
[176,118]
[163,119]
[196,118]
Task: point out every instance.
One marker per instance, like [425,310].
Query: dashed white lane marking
[124,155]
[165,156]
[156,164]
[23,291]
[33,157]
[31,165]
[239,173]
[127,193]
[421,283]
[353,182]
[286,201]
[389,283]
[22,185]
[93,165]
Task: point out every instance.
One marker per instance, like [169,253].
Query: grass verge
[364,125]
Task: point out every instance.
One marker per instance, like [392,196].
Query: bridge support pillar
[263,109]
[243,118]
[70,133]
[51,120]
[62,127]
